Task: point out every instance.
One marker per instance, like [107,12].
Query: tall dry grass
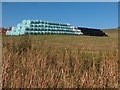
[60,61]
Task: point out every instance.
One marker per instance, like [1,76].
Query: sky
[101,15]
[60,0]
[0,14]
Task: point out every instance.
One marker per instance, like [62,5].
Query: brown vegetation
[62,61]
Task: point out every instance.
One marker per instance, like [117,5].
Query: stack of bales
[43,27]
[91,31]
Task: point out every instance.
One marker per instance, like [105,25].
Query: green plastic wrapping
[42,27]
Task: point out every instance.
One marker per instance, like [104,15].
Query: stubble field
[60,61]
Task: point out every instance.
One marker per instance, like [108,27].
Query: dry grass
[62,61]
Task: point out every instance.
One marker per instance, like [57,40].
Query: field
[60,61]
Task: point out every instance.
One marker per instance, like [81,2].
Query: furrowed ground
[62,61]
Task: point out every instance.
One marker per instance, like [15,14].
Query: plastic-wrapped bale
[39,28]
[49,32]
[23,25]
[8,32]
[28,21]
[19,25]
[12,32]
[22,31]
[43,32]
[16,32]
[33,28]
[24,22]
[36,29]
[40,32]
